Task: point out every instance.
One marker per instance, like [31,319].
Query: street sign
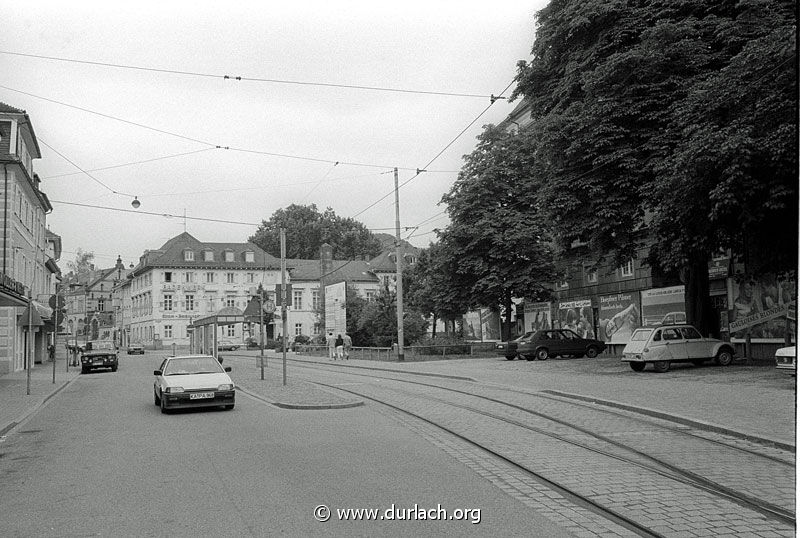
[269,306]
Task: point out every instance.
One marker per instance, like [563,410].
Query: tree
[82,263]
[378,321]
[653,114]
[307,229]
[496,246]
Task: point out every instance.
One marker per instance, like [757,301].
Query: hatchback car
[558,342]
[227,345]
[99,354]
[135,349]
[786,360]
[662,346]
[509,349]
[193,381]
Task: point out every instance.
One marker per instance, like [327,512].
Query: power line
[253,79]
[132,163]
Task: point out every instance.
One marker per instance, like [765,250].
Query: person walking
[348,343]
[339,347]
[331,341]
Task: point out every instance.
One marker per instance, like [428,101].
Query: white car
[786,359]
[193,381]
[662,346]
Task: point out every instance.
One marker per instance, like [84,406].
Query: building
[28,267]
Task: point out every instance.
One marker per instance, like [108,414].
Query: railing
[410,353]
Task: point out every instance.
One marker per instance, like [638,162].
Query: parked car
[662,346]
[786,360]
[193,381]
[227,345]
[673,318]
[558,342]
[509,349]
[99,354]
[135,349]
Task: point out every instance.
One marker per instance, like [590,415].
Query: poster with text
[663,305]
[537,316]
[336,308]
[490,325]
[620,315]
[762,306]
[577,316]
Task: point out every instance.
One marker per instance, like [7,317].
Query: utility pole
[399,266]
[283,299]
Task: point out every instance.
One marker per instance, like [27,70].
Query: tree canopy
[307,229]
[82,263]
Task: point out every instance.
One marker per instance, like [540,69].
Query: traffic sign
[269,306]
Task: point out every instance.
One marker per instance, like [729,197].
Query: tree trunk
[698,302]
[433,335]
[506,330]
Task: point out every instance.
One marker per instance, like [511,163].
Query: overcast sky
[285,138]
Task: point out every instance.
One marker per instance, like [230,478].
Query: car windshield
[192,365]
[641,334]
[102,345]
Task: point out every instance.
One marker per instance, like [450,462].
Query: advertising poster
[663,305]
[620,315]
[490,325]
[538,316]
[336,308]
[472,325]
[761,305]
[577,316]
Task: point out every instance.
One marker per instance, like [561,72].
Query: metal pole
[30,341]
[261,327]
[283,298]
[399,268]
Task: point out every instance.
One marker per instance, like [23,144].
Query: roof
[385,261]
[342,270]
[10,109]
[36,152]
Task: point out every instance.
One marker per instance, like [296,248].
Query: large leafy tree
[307,229]
[83,262]
[496,246]
[677,115]
[377,322]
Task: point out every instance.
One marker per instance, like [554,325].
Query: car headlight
[225,386]
[173,390]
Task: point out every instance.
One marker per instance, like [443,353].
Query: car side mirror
[156,372]
[227,368]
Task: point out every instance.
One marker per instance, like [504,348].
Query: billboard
[620,315]
[538,316]
[481,324]
[663,305]
[761,306]
[577,316]
[336,308]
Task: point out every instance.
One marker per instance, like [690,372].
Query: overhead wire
[132,163]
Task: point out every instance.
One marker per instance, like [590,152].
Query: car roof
[191,356]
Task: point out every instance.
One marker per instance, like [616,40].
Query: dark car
[99,355]
[134,349]
[558,342]
[509,349]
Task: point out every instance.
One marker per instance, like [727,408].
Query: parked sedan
[227,345]
[135,349]
[786,360]
[558,342]
[509,349]
[193,381]
[674,343]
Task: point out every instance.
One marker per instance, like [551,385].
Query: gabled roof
[385,263]
[8,109]
[342,270]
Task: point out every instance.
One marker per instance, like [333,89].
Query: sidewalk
[16,405]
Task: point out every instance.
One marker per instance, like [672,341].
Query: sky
[154,120]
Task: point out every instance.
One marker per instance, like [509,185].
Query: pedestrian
[339,347]
[348,343]
[331,341]
[51,352]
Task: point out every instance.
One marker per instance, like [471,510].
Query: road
[101,460]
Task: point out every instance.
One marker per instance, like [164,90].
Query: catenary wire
[133,163]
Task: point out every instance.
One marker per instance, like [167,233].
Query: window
[249,256]
[210,277]
[315,299]
[251,277]
[298,329]
[167,276]
[208,255]
[230,301]
[627,269]
[690,333]
[591,276]
[101,305]
[190,302]
[231,278]
[167,331]
[231,330]
[189,277]
[228,255]
[370,295]
[167,302]
[672,334]
[188,256]
[297,299]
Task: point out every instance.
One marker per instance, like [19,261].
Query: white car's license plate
[200,395]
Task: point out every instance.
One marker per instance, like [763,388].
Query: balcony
[169,286]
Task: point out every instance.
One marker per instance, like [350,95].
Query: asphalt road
[101,460]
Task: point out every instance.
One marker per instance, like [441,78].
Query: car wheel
[156,399]
[637,366]
[592,352]
[661,366]
[542,354]
[113,368]
[510,357]
[84,370]
[724,357]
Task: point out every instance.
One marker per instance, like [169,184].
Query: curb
[32,410]
[708,426]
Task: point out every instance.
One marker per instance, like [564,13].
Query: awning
[38,315]
[226,316]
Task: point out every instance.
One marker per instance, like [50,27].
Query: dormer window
[249,256]
[229,256]
[208,255]
[188,256]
